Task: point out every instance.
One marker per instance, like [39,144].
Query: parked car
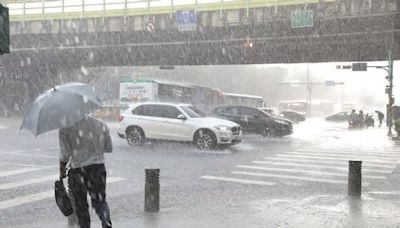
[339,117]
[293,115]
[253,120]
[176,122]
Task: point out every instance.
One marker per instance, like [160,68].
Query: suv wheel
[135,136]
[205,140]
[268,132]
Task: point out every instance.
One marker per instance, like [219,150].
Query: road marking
[312,172]
[27,182]
[17,171]
[237,180]
[28,154]
[384,193]
[40,196]
[318,166]
[346,150]
[342,163]
[335,159]
[290,177]
[27,165]
[363,157]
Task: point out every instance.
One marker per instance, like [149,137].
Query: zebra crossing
[17,177]
[314,165]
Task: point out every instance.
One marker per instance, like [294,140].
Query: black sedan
[338,117]
[293,116]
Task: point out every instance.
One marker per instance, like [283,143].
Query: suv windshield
[193,112]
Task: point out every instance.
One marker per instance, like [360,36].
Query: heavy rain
[199,113]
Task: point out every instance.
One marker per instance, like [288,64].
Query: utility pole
[309,91]
[389,114]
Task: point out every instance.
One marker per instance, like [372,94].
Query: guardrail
[68,9]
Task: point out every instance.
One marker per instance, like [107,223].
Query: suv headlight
[223,128]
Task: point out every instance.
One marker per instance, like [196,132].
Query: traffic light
[4,30]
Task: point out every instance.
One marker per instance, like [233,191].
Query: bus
[142,90]
[318,107]
[243,100]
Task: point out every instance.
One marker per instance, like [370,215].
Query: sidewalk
[318,211]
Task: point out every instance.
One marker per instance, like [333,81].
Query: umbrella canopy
[60,107]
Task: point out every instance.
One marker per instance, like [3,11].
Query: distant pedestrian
[381,116]
[83,146]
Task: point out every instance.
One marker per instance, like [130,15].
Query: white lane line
[27,182]
[336,154]
[356,152]
[346,150]
[363,157]
[27,165]
[17,171]
[318,166]
[342,163]
[40,196]
[384,193]
[293,177]
[29,155]
[312,172]
[237,180]
[332,159]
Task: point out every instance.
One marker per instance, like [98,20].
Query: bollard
[152,190]
[354,182]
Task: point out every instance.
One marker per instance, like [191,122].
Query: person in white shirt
[83,146]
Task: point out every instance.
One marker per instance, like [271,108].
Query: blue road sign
[186,20]
[330,83]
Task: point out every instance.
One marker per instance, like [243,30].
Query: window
[148,110]
[193,112]
[140,111]
[230,110]
[167,111]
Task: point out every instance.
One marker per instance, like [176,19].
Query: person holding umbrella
[83,146]
[380,117]
[83,142]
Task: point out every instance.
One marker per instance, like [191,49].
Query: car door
[255,119]
[146,117]
[175,129]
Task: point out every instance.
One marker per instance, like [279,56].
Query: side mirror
[181,117]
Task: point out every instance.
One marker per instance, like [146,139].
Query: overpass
[45,42]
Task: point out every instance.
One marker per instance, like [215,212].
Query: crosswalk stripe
[330,162]
[326,153]
[313,172]
[327,158]
[319,166]
[40,196]
[17,171]
[28,154]
[346,150]
[27,182]
[27,165]
[386,160]
[292,177]
[237,180]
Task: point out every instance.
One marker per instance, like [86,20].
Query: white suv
[176,122]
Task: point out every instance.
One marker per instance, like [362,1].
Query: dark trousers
[90,179]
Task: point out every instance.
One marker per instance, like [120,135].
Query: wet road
[295,181]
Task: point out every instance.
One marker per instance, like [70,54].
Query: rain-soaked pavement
[295,181]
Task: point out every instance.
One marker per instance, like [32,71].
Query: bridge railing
[64,9]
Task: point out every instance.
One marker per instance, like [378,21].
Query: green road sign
[302,19]
[4,31]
